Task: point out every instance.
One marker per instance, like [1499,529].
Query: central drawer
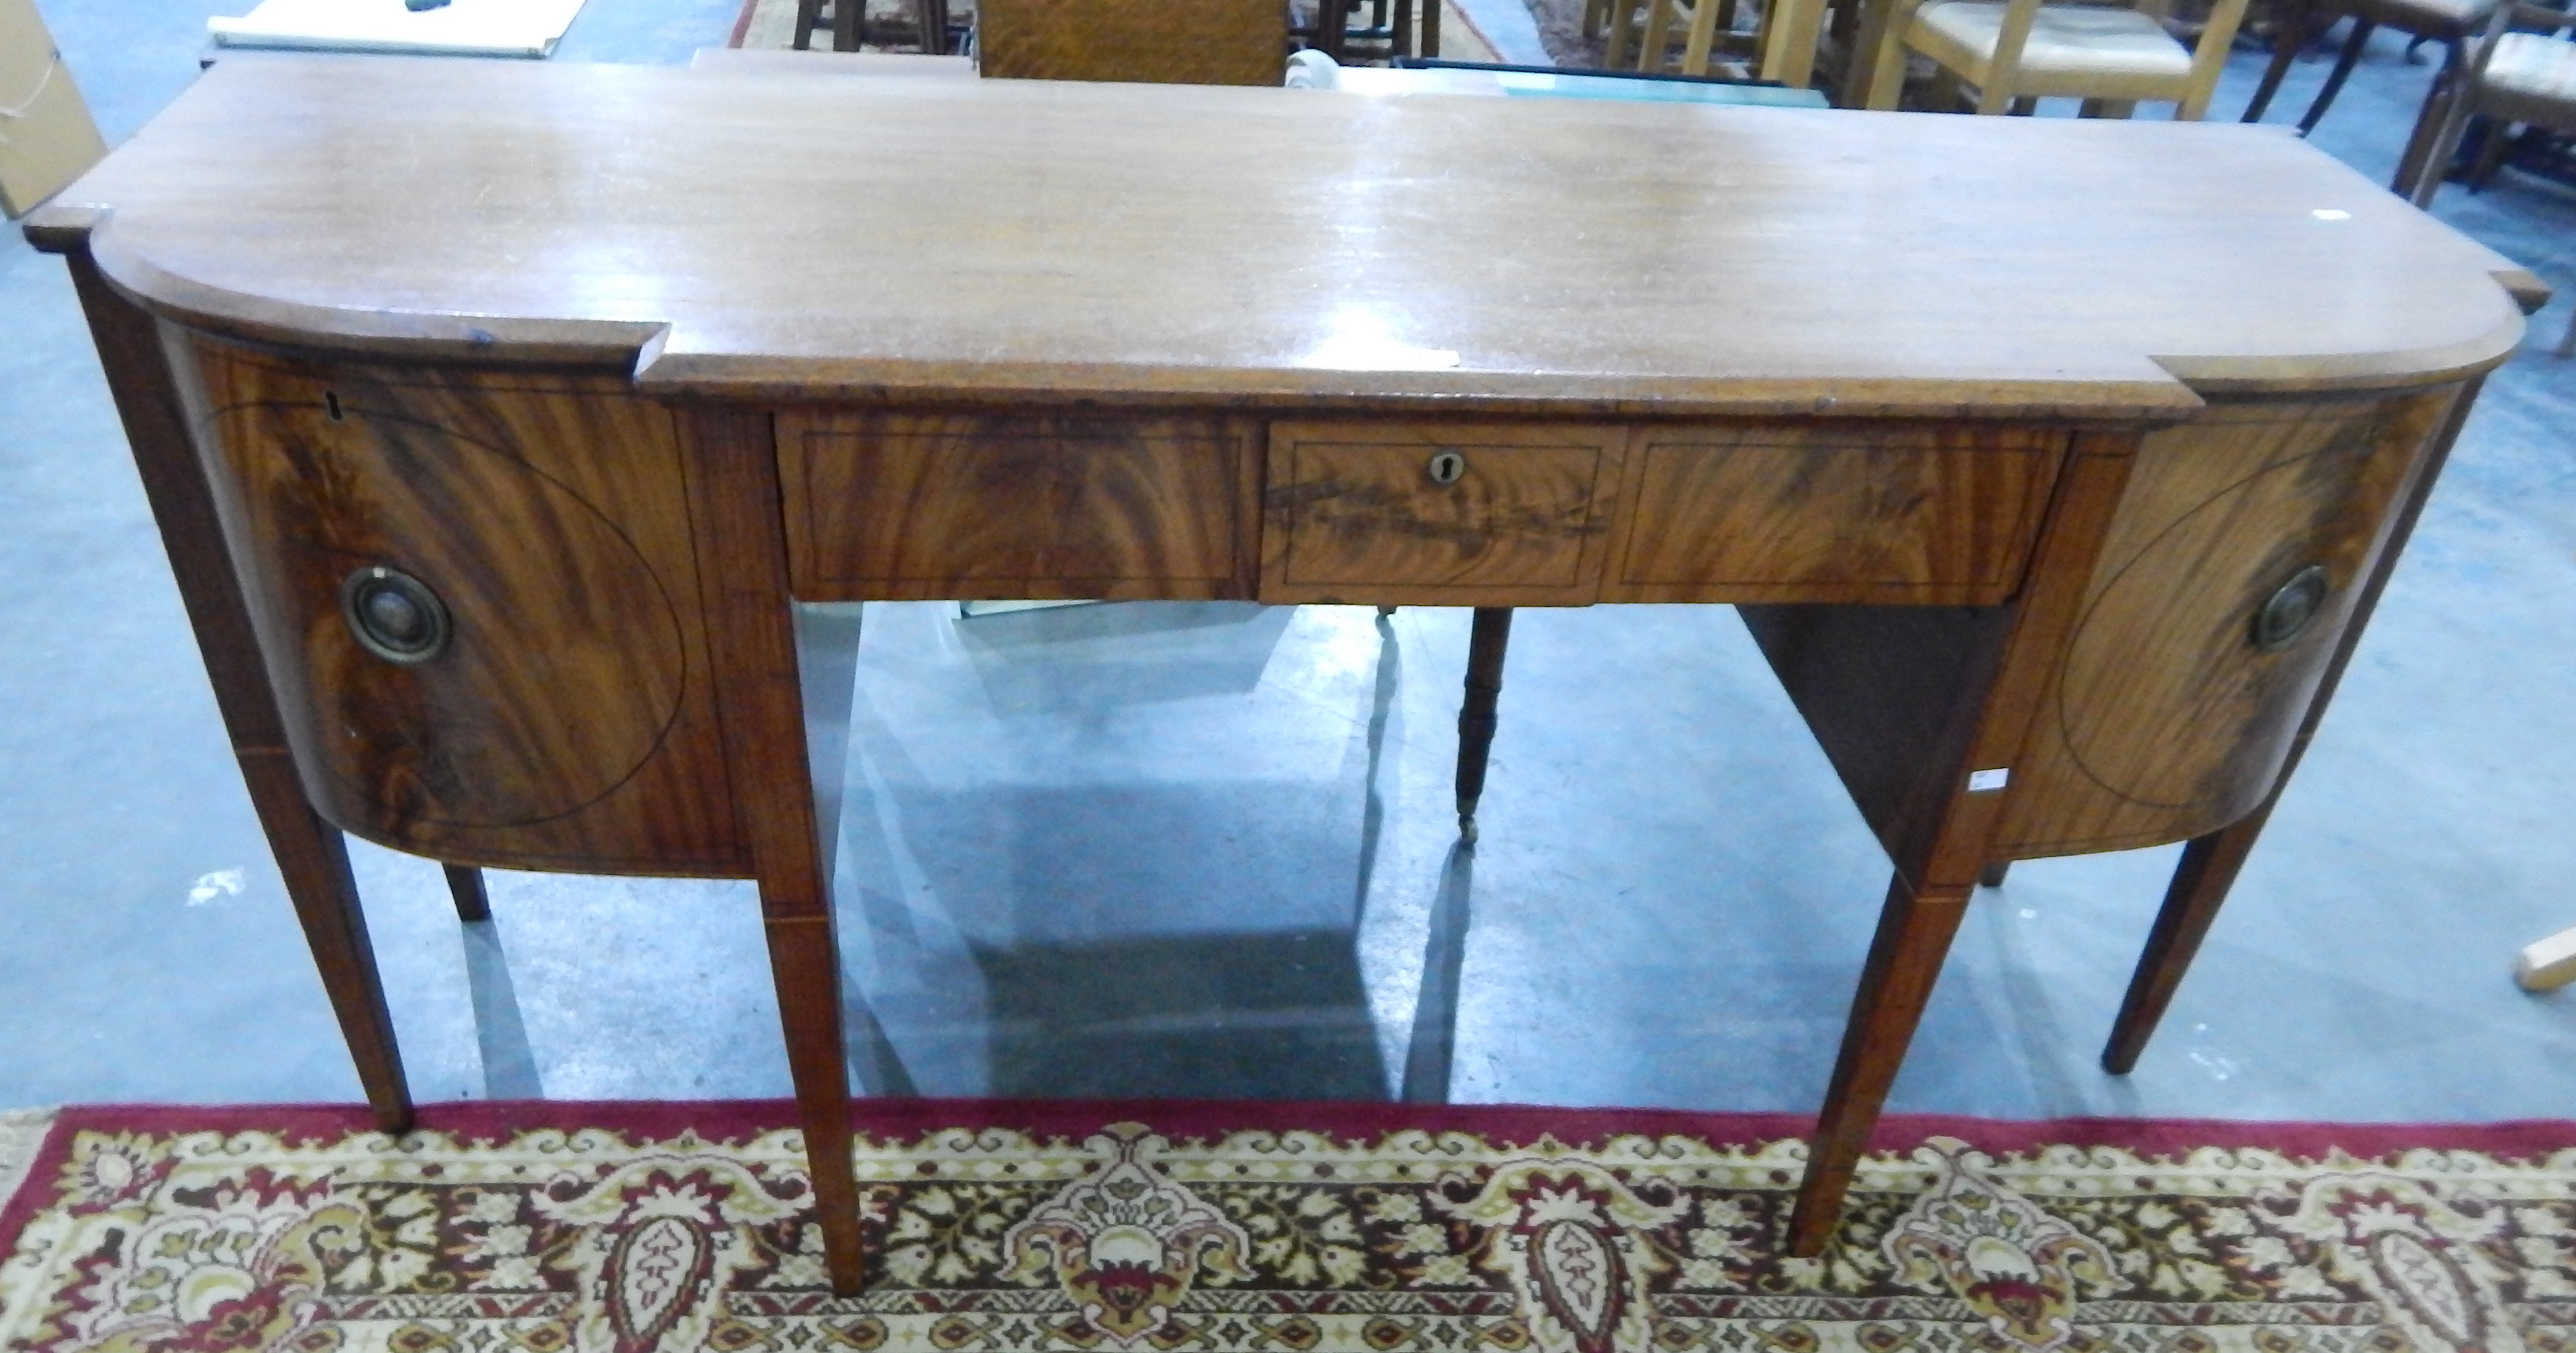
[1438,514]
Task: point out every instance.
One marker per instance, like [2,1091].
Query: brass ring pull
[394,615]
[1447,467]
[2292,607]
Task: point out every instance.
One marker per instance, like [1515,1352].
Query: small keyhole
[1448,467]
[331,404]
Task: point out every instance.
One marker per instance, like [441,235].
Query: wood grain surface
[2168,721]
[1843,512]
[906,507]
[1352,512]
[1189,42]
[568,721]
[1049,241]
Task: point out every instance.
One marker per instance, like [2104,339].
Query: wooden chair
[1388,29]
[2524,70]
[846,20]
[1649,32]
[2015,51]
[2449,22]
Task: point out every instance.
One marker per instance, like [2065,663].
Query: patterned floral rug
[1275,1227]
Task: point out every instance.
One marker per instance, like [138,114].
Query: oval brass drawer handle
[2292,607]
[394,615]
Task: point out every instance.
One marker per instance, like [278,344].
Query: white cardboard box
[522,28]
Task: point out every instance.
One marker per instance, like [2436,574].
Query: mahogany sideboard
[493,414]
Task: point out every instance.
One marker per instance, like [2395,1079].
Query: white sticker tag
[1984,781]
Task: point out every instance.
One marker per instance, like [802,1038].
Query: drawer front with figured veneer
[1453,515]
[913,506]
[1928,515]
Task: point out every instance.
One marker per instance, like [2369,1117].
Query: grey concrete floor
[1207,850]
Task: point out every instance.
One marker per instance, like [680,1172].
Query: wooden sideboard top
[912,240]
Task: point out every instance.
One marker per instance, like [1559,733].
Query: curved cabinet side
[567,719]
[2169,719]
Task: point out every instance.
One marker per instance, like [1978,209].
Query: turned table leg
[1486,645]
[312,858]
[465,886]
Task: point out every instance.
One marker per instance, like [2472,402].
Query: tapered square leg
[742,551]
[1961,782]
[2209,868]
[1914,934]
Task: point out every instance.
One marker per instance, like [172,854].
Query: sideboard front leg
[1914,933]
[312,858]
[742,550]
[1487,642]
[2209,867]
[1938,862]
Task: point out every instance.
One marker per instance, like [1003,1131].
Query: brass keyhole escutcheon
[2292,607]
[1447,467]
[394,615]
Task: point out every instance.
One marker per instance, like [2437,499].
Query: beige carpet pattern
[1310,1229]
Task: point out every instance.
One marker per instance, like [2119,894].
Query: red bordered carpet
[1277,1226]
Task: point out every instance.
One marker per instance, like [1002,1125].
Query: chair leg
[2344,62]
[1992,876]
[2293,35]
[465,884]
[2461,102]
[1887,71]
[2428,119]
[1706,17]
[1651,43]
[1623,24]
[1882,46]
[2491,153]
[1486,645]
[809,16]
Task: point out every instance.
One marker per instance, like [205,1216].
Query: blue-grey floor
[1207,850]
